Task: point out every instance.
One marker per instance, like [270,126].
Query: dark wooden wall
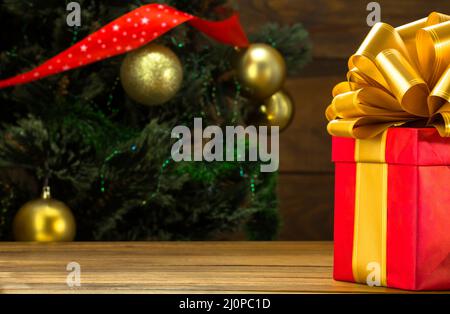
[337,27]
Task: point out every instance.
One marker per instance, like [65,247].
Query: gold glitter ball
[151,75]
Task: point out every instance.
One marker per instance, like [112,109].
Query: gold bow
[398,75]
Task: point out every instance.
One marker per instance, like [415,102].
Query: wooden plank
[306,203]
[323,67]
[173,267]
[306,206]
[337,27]
[306,146]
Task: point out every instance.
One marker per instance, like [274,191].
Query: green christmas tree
[109,158]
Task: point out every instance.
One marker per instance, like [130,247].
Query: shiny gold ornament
[261,70]
[44,220]
[151,75]
[277,110]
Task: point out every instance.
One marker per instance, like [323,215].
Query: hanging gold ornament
[278,110]
[151,75]
[44,220]
[261,69]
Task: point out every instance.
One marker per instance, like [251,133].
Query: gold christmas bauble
[44,220]
[151,75]
[261,69]
[278,110]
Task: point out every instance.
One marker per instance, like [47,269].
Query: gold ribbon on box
[398,75]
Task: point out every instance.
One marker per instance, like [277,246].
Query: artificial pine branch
[108,157]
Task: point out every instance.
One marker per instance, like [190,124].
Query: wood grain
[306,206]
[175,267]
[337,27]
[305,146]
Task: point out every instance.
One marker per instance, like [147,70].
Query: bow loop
[433,50]
[441,120]
[396,76]
[404,82]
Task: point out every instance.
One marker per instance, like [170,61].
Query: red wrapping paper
[418,209]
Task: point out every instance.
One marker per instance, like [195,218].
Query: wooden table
[173,267]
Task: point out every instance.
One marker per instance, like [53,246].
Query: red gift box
[410,238]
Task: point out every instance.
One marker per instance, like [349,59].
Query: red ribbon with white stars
[129,32]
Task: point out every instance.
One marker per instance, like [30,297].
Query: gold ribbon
[398,75]
[369,237]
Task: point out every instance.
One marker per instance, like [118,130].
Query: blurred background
[337,28]
[105,152]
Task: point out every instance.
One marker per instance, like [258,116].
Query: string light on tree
[119,167]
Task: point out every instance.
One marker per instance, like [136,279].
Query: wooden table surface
[173,267]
